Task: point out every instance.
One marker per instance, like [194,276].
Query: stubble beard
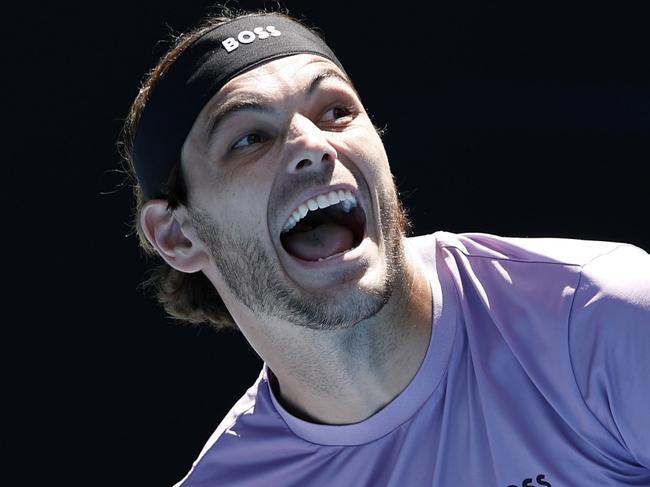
[255,278]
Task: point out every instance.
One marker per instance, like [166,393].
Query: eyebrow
[257,103]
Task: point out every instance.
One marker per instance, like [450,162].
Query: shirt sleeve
[609,341]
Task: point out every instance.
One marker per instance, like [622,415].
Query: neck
[346,376]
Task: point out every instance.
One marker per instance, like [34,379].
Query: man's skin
[341,339]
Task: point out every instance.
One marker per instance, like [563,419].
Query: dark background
[518,119]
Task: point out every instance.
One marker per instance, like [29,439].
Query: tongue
[320,242]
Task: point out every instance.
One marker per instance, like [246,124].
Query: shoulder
[609,342]
[609,282]
[553,250]
[249,446]
[611,306]
[238,416]
[620,277]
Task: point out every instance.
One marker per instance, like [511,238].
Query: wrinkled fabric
[537,374]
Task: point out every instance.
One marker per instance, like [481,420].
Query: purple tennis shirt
[536,374]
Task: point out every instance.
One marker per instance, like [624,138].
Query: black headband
[200,71]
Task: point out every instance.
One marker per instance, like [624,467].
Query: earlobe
[165,232]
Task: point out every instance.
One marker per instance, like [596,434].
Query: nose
[308,147]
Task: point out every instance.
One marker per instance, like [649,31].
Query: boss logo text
[247,36]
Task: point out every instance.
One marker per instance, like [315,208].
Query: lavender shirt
[537,374]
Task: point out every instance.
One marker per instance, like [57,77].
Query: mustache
[298,184]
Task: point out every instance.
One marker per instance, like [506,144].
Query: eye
[247,140]
[336,113]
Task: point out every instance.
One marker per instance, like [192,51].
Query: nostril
[304,162]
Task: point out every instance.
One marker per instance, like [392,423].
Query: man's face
[269,141]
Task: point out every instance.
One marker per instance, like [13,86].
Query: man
[435,360]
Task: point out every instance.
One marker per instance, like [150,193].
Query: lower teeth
[333,255]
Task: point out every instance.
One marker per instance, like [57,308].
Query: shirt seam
[508,259]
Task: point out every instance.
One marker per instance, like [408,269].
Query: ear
[172,235]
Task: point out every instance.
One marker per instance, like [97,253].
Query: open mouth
[325,233]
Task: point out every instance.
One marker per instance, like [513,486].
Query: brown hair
[187,297]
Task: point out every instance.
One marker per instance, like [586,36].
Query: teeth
[324,201]
[345,197]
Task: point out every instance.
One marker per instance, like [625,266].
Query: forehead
[279,77]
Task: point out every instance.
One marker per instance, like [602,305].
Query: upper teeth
[345,197]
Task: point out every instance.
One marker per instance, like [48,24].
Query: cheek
[247,212]
[201,179]
[366,150]
[205,189]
